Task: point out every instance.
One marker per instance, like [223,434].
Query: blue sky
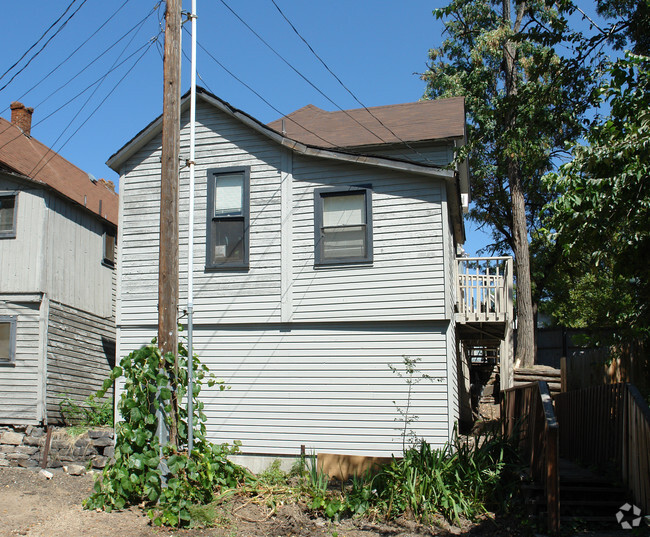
[375,47]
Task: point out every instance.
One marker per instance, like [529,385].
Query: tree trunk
[525,352]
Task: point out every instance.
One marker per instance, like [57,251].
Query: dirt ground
[34,506]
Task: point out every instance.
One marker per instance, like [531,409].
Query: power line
[74,98]
[45,45]
[93,34]
[342,84]
[299,73]
[138,25]
[256,93]
[151,42]
[39,39]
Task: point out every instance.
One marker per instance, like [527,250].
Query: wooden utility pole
[168,252]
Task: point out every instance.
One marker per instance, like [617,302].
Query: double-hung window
[343,225]
[228,218]
[109,247]
[7,339]
[7,216]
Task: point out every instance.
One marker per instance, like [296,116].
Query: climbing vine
[171,485]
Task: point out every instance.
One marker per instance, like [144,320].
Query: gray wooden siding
[406,278]
[74,252]
[432,154]
[19,382]
[22,256]
[327,386]
[80,354]
[220,296]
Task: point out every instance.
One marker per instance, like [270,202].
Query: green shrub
[91,412]
[136,475]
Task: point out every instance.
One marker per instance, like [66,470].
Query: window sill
[109,264]
[7,364]
[6,235]
[227,268]
[356,263]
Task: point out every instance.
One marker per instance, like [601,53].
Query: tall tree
[601,216]
[524,101]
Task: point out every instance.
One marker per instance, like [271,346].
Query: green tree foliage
[601,217]
[524,101]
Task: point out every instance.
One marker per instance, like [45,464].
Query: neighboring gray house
[325,252]
[57,251]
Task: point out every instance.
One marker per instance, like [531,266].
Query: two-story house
[324,258]
[58,229]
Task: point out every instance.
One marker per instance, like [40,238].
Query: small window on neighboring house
[343,225]
[109,247]
[228,218]
[7,339]
[7,216]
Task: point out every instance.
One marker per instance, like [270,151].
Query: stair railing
[608,426]
[529,418]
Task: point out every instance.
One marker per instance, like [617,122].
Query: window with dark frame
[228,218]
[7,215]
[7,339]
[343,225]
[109,247]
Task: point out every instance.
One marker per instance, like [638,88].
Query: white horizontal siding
[328,387]
[440,154]
[220,296]
[406,278]
[19,382]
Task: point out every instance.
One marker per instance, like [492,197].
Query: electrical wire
[39,39]
[299,73]
[342,84]
[256,93]
[101,81]
[93,34]
[150,44]
[74,98]
[45,45]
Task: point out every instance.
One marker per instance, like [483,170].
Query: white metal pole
[190,245]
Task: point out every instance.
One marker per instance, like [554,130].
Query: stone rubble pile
[24,446]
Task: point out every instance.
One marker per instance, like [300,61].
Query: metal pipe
[190,246]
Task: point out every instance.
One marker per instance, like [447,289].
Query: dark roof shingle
[409,122]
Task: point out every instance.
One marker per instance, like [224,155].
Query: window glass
[109,247]
[228,217]
[343,225]
[7,205]
[227,241]
[346,210]
[229,194]
[5,341]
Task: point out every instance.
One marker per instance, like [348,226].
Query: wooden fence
[527,415]
[609,427]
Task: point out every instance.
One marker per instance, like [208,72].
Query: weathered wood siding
[80,353]
[22,256]
[74,250]
[20,387]
[406,278]
[327,386]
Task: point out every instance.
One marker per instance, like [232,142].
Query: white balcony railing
[484,291]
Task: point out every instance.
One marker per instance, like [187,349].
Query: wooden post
[168,252]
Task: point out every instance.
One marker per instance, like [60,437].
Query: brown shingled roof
[411,122]
[29,157]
